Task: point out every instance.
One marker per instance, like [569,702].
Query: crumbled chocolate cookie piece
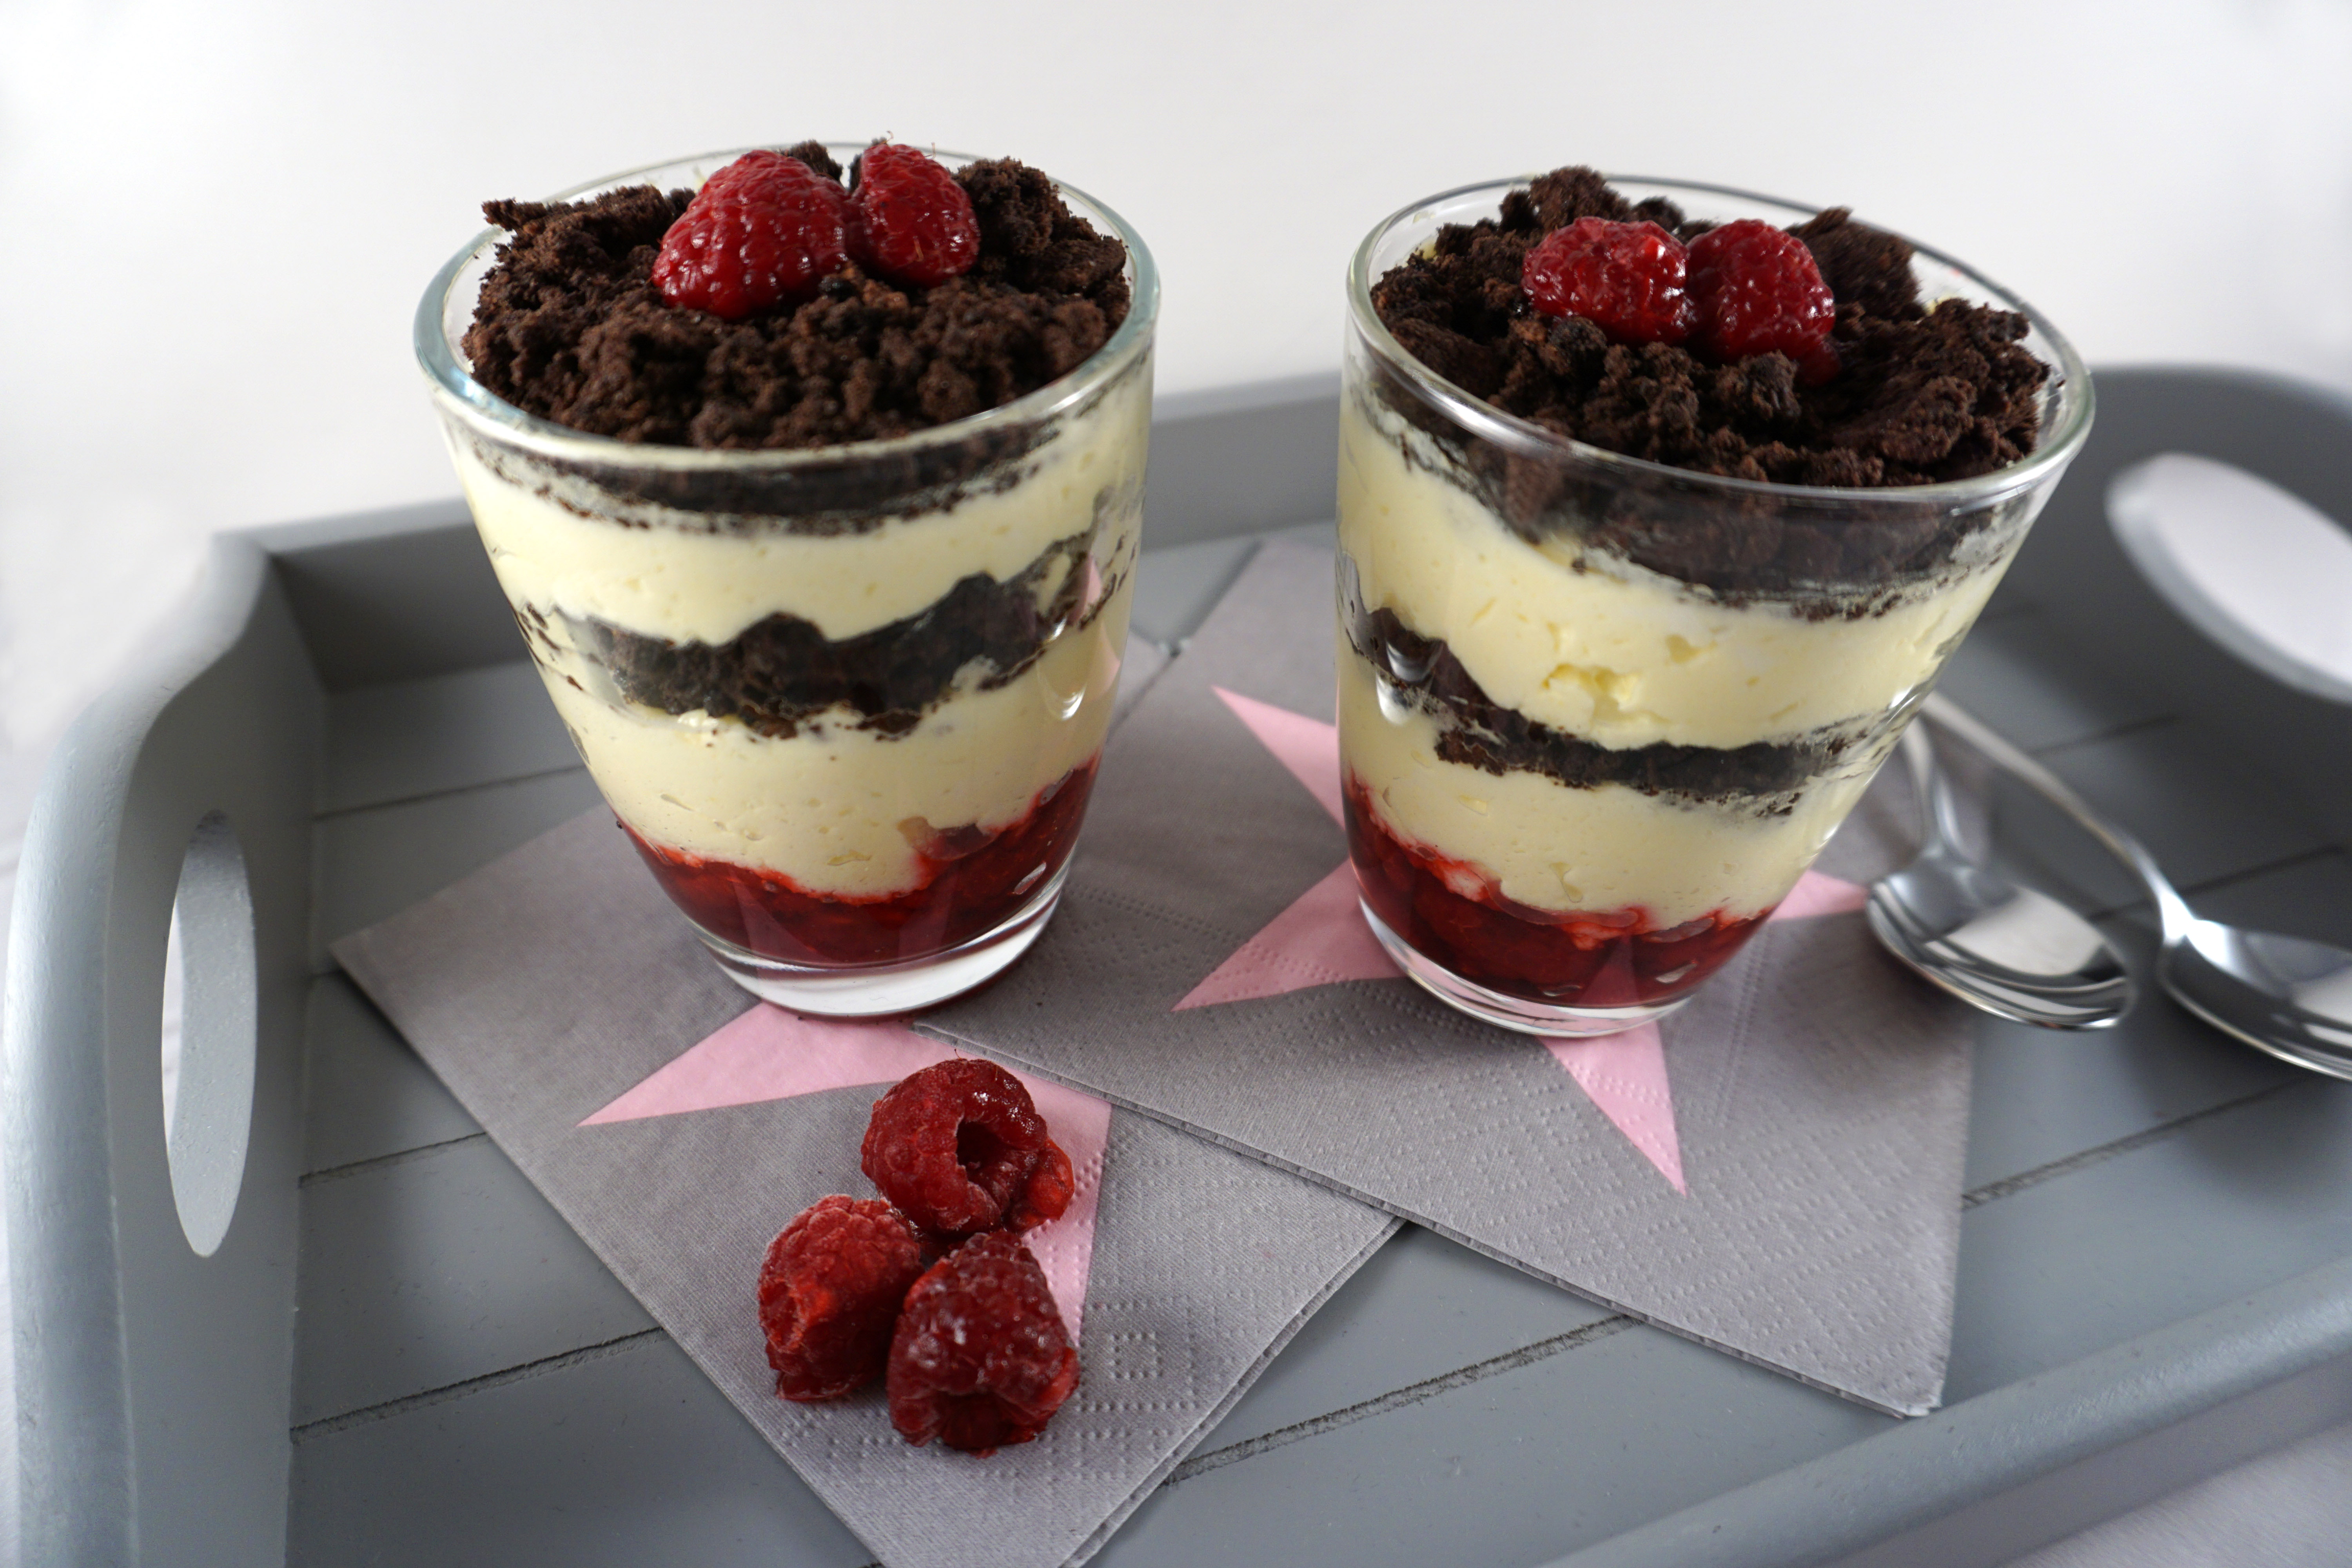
[570,326]
[1470,365]
[1922,396]
[1862,265]
[815,156]
[1948,392]
[1559,198]
[1031,240]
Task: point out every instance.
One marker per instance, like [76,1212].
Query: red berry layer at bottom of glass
[965,891]
[1452,912]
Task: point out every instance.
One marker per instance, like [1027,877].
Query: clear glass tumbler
[1597,715]
[847,703]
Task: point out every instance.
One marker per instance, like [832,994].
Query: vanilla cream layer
[695,586]
[1605,651]
[825,807]
[1558,848]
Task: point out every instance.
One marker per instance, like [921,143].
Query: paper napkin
[1774,1170]
[678,1127]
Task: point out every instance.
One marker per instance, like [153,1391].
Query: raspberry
[912,222]
[955,1145]
[830,1291]
[981,1359]
[764,229]
[1048,1192]
[1759,289]
[1625,277]
[1820,364]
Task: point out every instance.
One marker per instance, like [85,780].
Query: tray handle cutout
[2255,567]
[209,1033]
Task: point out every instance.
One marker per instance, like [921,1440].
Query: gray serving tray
[398,1354]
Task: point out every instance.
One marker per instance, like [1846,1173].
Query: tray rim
[1867,1492]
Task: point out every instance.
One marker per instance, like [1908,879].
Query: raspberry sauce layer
[1452,912]
[972,882]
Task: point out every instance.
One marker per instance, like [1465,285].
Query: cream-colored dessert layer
[838,809]
[1557,848]
[1610,652]
[689,586]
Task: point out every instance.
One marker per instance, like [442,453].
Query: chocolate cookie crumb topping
[1924,395]
[571,327]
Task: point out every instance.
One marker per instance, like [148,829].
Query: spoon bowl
[2014,951]
[2284,994]
[2279,994]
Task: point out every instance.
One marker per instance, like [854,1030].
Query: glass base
[878,990]
[1511,1012]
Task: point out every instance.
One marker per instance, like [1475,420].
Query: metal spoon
[2279,994]
[2017,953]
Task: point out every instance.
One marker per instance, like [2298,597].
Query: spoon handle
[1939,814]
[2171,911]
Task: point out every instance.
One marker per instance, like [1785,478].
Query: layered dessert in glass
[1634,596]
[829,586]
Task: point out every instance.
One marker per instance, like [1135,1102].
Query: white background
[215,219]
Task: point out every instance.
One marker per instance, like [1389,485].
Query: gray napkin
[545,987]
[1820,1095]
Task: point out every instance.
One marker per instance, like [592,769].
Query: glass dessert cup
[847,702]
[1597,715]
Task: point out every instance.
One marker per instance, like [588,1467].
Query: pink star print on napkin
[1321,940]
[770,1054]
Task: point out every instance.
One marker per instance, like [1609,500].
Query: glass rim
[2051,454]
[452,379]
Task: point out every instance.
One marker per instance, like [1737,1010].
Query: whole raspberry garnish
[981,1359]
[764,229]
[830,1293]
[955,1145]
[912,222]
[1627,279]
[1759,289]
